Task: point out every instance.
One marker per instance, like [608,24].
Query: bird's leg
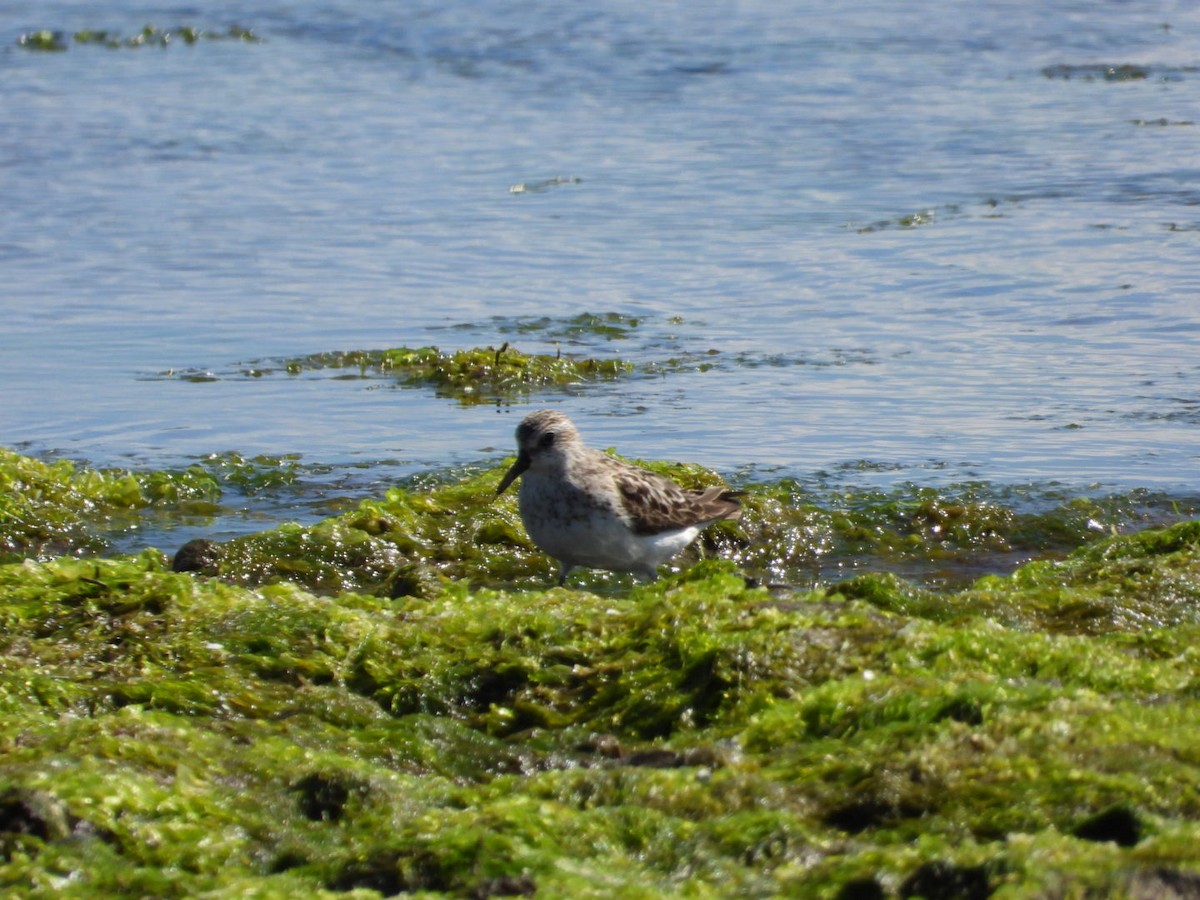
[564,569]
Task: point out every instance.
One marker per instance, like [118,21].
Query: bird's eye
[547,439]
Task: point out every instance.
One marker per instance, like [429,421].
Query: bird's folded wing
[655,504]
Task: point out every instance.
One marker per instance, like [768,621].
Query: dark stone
[378,873]
[40,815]
[201,556]
[391,874]
[868,812]
[939,880]
[322,798]
[496,686]
[32,813]
[1117,824]
[410,580]
[861,889]
[960,709]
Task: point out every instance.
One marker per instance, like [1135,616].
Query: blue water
[931,241]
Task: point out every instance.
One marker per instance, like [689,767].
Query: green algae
[253,475]
[148,36]
[1100,72]
[481,375]
[417,536]
[58,507]
[472,376]
[585,328]
[609,326]
[169,735]
[797,533]
[412,540]
[43,40]
[387,702]
[49,509]
[507,375]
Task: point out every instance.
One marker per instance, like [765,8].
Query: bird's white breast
[587,529]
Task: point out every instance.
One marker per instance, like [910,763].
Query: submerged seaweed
[149,36]
[477,375]
[1117,72]
[48,509]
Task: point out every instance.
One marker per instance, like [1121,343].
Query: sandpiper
[585,508]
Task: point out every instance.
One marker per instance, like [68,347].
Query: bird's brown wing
[655,504]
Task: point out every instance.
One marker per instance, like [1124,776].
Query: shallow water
[929,244]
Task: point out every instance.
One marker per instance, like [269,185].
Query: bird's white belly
[583,534]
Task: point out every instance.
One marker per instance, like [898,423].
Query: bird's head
[543,437]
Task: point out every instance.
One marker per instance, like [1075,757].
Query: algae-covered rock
[390,701]
[48,509]
[409,541]
[175,736]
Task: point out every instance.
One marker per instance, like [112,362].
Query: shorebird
[585,508]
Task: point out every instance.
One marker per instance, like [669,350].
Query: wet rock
[201,556]
[410,580]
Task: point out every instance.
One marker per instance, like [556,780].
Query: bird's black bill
[510,476]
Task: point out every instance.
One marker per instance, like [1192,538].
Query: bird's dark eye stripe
[547,439]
